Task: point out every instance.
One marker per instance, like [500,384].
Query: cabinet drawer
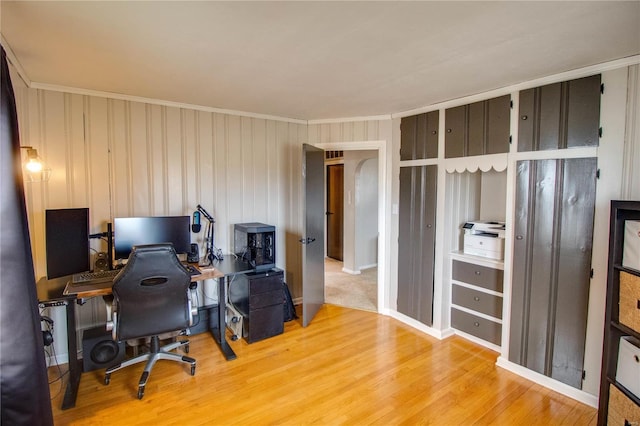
[263,323]
[478,301]
[481,276]
[270,298]
[476,326]
[622,411]
[264,282]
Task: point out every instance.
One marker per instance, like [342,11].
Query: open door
[313,239]
[335,211]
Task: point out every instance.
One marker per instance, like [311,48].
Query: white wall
[360,193]
[367,214]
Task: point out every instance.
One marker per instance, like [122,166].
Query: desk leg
[71,392]
[219,333]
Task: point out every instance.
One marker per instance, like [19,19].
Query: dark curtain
[24,385]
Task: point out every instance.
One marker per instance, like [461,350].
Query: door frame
[384,214]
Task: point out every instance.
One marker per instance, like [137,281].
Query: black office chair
[151,298]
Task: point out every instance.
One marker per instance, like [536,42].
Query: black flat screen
[133,231]
[67,241]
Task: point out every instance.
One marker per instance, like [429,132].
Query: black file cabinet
[259,298]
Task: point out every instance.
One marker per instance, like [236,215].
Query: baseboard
[438,334]
[349,271]
[548,382]
[365,267]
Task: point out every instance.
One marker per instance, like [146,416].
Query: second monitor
[132,231]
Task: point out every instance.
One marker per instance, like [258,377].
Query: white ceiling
[311,60]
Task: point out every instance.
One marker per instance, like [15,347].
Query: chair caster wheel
[140,393]
[186,348]
[107,379]
[234,337]
[193,370]
[235,319]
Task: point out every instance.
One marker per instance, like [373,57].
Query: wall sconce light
[34,167]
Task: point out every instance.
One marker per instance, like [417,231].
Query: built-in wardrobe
[489,168]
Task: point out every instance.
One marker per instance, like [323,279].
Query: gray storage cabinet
[476,298]
[560,115]
[419,136]
[416,242]
[555,205]
[479,128]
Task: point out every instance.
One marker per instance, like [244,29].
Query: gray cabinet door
[475,128]
[498,125]
[479,128]
[416,242]
[555,204]
[456,128]
[560,115]
[419,136]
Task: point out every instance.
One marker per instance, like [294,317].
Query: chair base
[155,354]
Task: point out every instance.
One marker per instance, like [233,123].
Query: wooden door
[335,211]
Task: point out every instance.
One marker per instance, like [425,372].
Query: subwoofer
[99,350]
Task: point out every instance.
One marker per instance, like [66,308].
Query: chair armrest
[193,304]
[112,315]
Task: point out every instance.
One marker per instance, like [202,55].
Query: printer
[484,238]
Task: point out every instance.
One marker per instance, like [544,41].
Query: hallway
[351,291]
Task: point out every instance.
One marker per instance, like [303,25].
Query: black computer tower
[256,243]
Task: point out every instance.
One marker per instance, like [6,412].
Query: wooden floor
[347,367]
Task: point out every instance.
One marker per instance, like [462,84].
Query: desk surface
[62,289]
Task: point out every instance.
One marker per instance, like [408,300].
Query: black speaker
[194,255]
[99,350]
[101,262]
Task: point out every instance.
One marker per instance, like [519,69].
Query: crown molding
[131,98]
[11,57]
[350,119]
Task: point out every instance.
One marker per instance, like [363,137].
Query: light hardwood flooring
[347,367]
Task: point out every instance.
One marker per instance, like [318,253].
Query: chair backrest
[151,293]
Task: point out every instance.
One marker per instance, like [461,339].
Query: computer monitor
[67,241]
[133,231]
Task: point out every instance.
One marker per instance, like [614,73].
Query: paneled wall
[122,158]
[348,131]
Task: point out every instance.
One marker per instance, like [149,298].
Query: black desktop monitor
[67,241]
[133,231]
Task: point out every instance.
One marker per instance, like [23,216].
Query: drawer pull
[476,298]
[477,272]
[636,358]
[477,324]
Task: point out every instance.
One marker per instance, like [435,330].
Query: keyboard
[98,276]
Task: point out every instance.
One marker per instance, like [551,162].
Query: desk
[57,292]
[229,267]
